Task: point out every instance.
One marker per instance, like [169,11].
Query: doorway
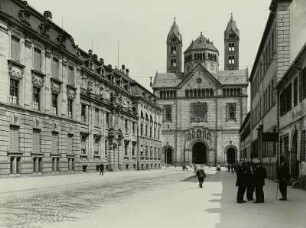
[199,153]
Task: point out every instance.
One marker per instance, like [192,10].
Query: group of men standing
[251,178]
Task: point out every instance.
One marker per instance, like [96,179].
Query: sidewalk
[184,205]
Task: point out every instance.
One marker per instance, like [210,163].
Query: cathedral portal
[199,153]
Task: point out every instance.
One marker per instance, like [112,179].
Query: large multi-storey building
[62,109]
[280,43]
[203,106]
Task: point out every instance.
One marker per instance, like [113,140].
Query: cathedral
[203,107]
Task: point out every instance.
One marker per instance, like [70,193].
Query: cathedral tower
[174,50]
[231,46]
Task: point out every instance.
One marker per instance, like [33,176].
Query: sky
[142,26]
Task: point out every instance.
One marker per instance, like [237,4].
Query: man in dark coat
[283,177]
[260,175]
[101,169]
[201,176]
[241,181]
[250,181]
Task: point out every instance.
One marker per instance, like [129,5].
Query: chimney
[123,69]
[90,52]
[127,71]
[101,61]
[48,15]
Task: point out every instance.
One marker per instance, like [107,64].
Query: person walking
[201,176]
[101,169]
[283,177]
[260,175]
[241,173]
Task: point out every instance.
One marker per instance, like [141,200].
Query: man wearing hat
[260,175]
[283,177]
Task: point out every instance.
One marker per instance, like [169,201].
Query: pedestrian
[283,177]
[101,169]
[241,173]
[250,181]
[201,176]
[260,175]
[228,167]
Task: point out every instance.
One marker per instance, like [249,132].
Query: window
[107,120]
[55,164]
[231,46]
[70,76]
[141,129]
[173,62]
[36,141]
[285,100]
[134,128]
[295,91]
[55,143]
[173,50]
[36,98]
[54,107]
[167,113]
[106,145]
[97,117]
[97,145]
[126,126]
[231,59]
[70,144]
[83,143]
[231,111]
[37,59]
[70,108]
[133,148]
[146,131]
[126,148]
[14,139]
[13,91]
[15,48]
[55,67]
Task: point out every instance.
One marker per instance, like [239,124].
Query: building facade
[278,48]
[245,139]
[292,117]
[61,108]
[203,107]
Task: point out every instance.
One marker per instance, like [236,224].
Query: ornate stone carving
[61,38]
[55,87]
[15,71]
[37,81]
[198,112]
[44,29]
[24,16]
[71,93]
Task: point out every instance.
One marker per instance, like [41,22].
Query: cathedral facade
[203,107]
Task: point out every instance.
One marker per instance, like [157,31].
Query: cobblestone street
[163,198]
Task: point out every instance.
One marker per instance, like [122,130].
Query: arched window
[211,92]
[187,93]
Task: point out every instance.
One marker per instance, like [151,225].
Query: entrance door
[168,155]
[230,156]
[199,153]
[293,162]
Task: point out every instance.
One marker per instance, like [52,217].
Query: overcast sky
[142,27]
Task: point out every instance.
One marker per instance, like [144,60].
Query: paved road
[50,202]
[146,199]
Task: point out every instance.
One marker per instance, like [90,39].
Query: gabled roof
[232,26]
[198,68]
[167,80]
[231,77]
[201,43]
